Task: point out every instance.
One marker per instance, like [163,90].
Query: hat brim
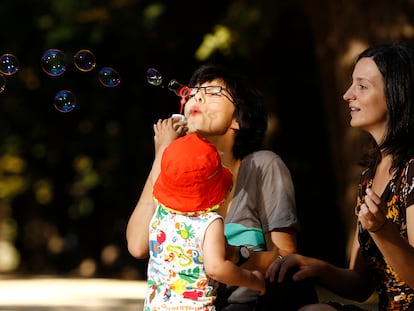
[194,198]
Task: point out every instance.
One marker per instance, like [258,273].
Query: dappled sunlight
[9,257]
[220,39]
[12,168]
[43,292]
[110,254]
[43,191]
[273,125]
[87,268]
[348,57]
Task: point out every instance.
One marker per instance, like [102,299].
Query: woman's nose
[348,95]
[199,96]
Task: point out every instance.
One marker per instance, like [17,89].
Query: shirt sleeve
[276,194]
[409,184]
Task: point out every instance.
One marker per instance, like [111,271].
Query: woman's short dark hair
[396,65]
[250,112]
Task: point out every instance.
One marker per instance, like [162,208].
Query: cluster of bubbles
[154,77]
[53,64]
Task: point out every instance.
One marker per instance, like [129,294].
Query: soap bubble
[154,77]
[109,77]
[65,101]
[9,64]
[84,60]
[53,62]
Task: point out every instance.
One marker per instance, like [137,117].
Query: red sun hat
[192,178]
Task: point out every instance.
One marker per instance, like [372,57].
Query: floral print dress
[394,293]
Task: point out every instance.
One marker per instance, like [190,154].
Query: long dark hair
[250,112]
[396,65]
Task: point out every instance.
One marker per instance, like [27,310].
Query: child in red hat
[187,243]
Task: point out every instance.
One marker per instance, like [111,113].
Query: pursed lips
[194,110]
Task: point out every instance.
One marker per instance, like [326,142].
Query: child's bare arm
[223,270]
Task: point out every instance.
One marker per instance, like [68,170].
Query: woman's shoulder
[264,159]
[262,156]
[409,169]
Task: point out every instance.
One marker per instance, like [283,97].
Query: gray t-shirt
[263,201]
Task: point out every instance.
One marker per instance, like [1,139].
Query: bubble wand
[180,90]
[154,77]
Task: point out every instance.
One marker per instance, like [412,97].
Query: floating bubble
[154,77]
[109,77]
[9,64]
[65,101]
[53,62]
[84,60]
[2,83]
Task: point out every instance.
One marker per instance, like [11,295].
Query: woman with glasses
[187,244]
[381,103]
[259,213]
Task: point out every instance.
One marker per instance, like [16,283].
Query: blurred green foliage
[69,181]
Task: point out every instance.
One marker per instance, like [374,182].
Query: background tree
[69,181]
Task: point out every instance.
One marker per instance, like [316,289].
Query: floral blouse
[394,293]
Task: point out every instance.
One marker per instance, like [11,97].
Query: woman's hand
[307,267]
[372,213]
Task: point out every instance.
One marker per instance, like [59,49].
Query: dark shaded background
[69,181]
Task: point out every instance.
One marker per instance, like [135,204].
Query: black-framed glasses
[211,90]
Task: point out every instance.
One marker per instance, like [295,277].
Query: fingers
[285,264]
[371,206]
[169,124]
[372,213]
[294,266]
[277,270]
[372,198]
[272,270]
